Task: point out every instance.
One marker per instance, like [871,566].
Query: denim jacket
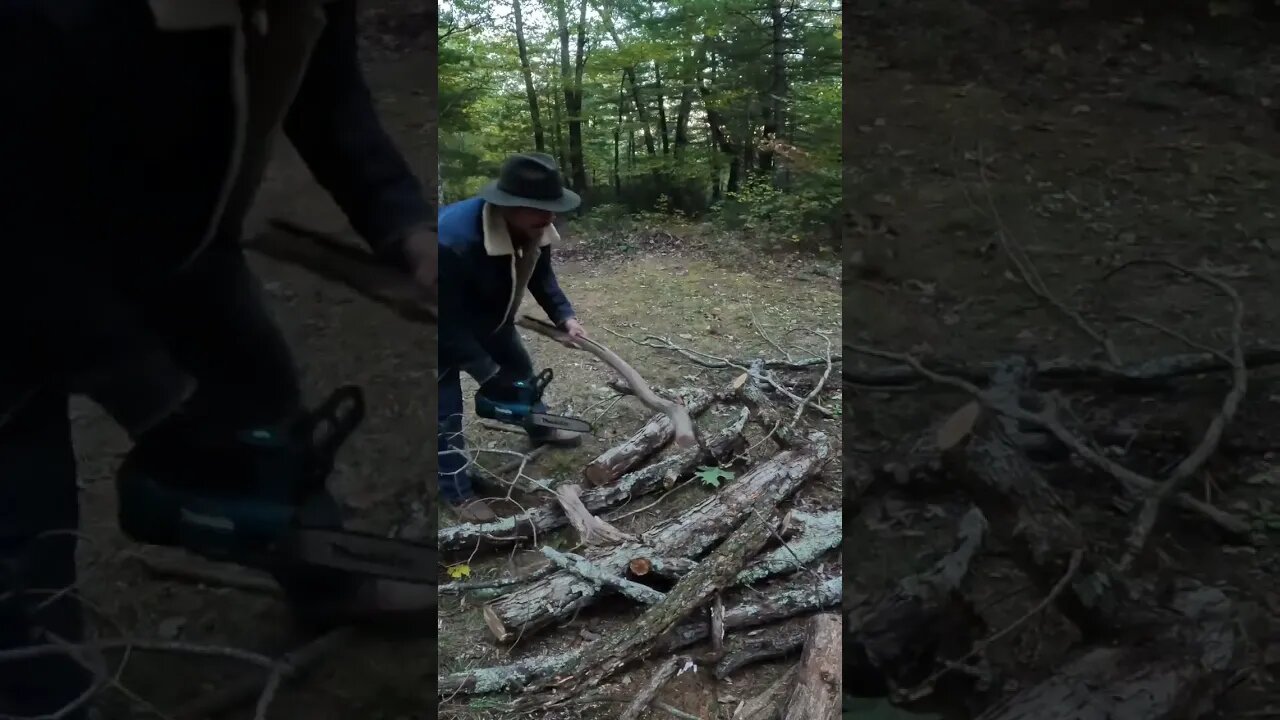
[478,289]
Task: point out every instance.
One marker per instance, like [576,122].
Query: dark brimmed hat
[530,180]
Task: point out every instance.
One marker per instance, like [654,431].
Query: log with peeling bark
[681,423]
[645,442]
[769,643]
[550,516]
[894,640]
[691,534]
[817,693]
[807,537]
[1156,659]
[761,607]
[637,638]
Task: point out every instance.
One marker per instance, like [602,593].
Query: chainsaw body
[522,406]
[272,511]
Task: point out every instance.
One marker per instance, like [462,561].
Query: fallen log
[1177,674]
[894,641]
[681,423]
[550,516]
[1156,660]
[808,537]
[770,605]
[636,639]
[769,644]
[817,693]
[617,460]
[690,535]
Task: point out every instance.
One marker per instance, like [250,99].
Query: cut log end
[640,566]
[500,631]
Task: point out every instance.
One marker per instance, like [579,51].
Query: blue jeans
[508,352]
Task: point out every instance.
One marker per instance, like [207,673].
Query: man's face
[528,221]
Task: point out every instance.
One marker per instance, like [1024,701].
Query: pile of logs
[1150,648]
[734,562]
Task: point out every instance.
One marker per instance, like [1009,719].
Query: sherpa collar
[497,239]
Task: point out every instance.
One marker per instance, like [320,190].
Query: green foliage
[712,476]
[696,60]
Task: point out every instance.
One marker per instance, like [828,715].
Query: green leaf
[879,709]
[711,476]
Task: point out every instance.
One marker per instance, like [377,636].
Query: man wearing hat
[494,247]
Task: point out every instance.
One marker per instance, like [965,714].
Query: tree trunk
[662,109]
[642,113]
[539,142]
[617,142]
[573,93]
[774,110]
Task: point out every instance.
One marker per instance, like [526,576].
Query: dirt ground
[1090,145]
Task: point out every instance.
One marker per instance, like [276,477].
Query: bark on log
[818,691]
[763,409]
[613,652]
[680,420]
[808,537]
[691,534]
[579,566]
[617,460]
[798,597]
[895,640]
[774,642]
[550,516]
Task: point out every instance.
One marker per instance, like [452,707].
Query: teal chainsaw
[258,497]
[519,402]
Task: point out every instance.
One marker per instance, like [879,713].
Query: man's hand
[575,332]
[421,248]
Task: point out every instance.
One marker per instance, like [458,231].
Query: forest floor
[1086,145]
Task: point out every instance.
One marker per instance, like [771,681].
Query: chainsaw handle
[328,426]
[540,383]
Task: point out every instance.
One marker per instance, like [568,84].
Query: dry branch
[617,460]
[660,677]
[1133,678]
[748,388]
[798,597]
[817,693]
[591,529]
[550,516]
[691,534]
[1133,377]
[681,423]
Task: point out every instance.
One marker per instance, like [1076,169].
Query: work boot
[473,511]
[557,438]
